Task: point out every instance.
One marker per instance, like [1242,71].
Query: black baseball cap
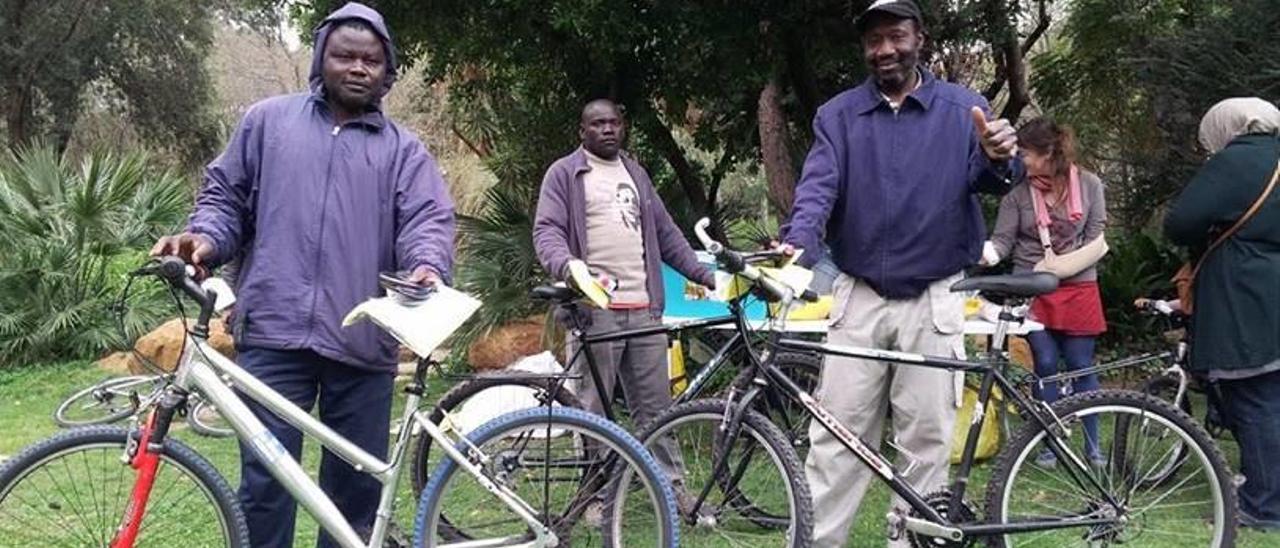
[905,9]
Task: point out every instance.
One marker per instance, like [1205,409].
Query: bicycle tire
[196,419]
[1124,403]
[61,415]
[779,452]
[176,457]
[419,459]
[1166,388]
[426,521]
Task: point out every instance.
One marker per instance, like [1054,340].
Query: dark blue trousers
[1251,407]
[1047,347]
[353,402]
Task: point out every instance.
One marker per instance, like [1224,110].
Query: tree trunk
[779,169]
[688,177]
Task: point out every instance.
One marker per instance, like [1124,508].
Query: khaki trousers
[860,392]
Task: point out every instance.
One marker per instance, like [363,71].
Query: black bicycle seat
[1010,285]
[554,293]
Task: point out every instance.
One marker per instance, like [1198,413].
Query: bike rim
[77,496]
[517,455]
[105,402]
[757,508]
[1150,441]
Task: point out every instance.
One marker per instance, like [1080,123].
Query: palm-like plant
[68,232]
[496,260]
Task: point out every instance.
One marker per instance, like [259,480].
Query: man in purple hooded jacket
[318,192]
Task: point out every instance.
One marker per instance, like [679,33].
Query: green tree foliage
[142,59]
[68,233]
[691,76]
[519,71]
[1136,76]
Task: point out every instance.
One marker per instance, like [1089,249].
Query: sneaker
[1046,459]
[1248,521]
[707,512]
[594,514]
[1098,460]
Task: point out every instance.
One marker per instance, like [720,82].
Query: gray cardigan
[1016,226]
[560,227]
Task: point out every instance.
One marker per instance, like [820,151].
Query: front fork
[725,438]
[142,453]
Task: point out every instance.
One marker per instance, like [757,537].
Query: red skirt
[1075,309]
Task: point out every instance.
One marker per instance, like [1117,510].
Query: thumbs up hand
[999,140]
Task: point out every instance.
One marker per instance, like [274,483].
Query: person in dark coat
[1235,328]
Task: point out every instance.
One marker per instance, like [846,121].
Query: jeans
[1047,347]
[1252,411]
[355,403]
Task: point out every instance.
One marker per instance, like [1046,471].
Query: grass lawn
[29,395]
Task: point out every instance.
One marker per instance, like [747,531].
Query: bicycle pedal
[396,538]
[912,460]
[894,525]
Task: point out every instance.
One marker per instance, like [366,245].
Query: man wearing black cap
[890,186]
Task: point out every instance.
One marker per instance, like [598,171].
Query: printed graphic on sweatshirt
[628,206]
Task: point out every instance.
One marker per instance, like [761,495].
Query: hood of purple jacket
[360,12]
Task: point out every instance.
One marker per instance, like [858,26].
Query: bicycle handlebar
[178,274]
[1159,306]
[734,263]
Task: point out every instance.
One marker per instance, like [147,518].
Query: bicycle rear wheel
[105,402]
[508,391]
[72,490]
[583,477]
[1137,433]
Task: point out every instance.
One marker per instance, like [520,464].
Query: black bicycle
[734,345]
[1029,502]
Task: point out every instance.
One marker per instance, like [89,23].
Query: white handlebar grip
[700,228]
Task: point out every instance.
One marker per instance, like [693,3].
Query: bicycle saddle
[1010,285]
[555,293]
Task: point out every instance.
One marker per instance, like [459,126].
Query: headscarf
[1237,116]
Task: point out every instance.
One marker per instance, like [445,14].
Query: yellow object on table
[972,306]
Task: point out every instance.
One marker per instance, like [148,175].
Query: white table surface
[971,327]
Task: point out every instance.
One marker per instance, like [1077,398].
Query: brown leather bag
[1184,280]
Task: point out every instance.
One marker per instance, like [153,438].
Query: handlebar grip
[732,262]
[700,229]
[809,296]
[172,269]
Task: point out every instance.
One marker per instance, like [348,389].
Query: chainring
[940,501]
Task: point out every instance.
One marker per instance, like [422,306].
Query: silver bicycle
[540,477]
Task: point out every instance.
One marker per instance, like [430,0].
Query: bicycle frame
[201,367]
[585,341]
[932,523]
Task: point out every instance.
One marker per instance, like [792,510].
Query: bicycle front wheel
[206,421]
[1136,436]
[72,490]
[583,477]
[759,498]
